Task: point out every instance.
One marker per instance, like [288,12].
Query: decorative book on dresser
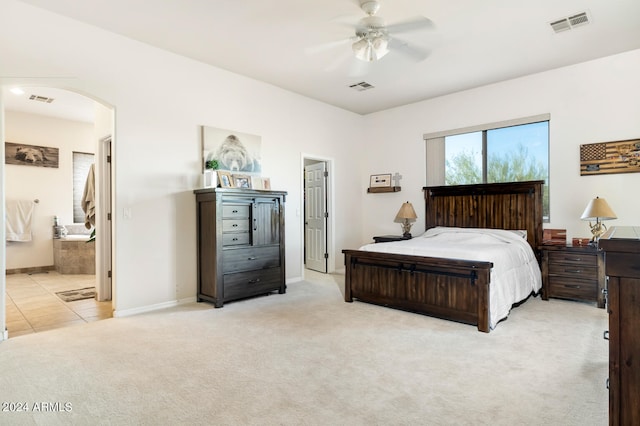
[240,243]
[621,247]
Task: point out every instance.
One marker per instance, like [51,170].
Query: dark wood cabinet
[621,247]
[573,272]
[240,243]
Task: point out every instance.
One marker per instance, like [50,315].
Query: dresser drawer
[235,238]
[573,288]
[251,258]
[573,270]
[235,211]
[244,284]
[573,258]
[235,225]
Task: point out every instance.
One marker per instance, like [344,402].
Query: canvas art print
[234,151]
[31,155]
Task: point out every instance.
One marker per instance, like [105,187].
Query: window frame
[436,153]
[81,163]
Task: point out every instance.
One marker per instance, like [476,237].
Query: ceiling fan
[374,39]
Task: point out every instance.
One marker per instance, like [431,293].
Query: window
[81,164]
[508,153]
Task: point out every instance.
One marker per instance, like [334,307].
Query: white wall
[160,100]
[592,102]
[53,187]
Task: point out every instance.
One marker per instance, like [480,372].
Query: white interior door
[315,210]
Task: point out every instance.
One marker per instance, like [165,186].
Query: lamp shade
[406,212]
[598,209]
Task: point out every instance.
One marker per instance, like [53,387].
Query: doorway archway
[57,105]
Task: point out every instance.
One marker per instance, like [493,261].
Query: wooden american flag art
[610,157]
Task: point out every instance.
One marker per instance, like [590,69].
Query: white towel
[89,199]
[19,215]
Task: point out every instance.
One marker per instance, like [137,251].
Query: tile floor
[33,306]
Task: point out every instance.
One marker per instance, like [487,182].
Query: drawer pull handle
[606,335]
[235,239]
[235,225]
[574,271]
[607,383]
[235,211]
[257,280]
[252,258]
[572,286]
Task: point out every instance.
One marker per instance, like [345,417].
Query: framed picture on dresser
[225,179]
[242,181]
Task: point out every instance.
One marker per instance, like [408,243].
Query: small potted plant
[212,165]
[210,177]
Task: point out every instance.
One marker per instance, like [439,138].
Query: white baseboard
[293,280]
[151,308]
[142,309]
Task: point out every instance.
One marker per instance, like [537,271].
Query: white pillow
[521,233]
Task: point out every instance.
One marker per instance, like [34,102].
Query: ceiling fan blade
[414,24]
[338,61]
[312,50]
[358,68]
[415,53]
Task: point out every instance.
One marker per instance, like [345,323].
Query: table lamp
[597,210]
[406,215]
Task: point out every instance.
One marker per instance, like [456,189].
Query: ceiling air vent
[362,86]
[561,25]
[41,99]
[570,22]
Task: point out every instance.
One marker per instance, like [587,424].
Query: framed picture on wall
[380,181]
[610,157]
[31,155]
[235,152]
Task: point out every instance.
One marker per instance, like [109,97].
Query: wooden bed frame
[451,289]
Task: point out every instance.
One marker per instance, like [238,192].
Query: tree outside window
[508,154]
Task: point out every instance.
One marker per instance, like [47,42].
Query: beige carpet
[308,358]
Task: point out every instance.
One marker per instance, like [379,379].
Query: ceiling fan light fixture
[371,48]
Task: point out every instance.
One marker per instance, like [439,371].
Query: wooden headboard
[515,205]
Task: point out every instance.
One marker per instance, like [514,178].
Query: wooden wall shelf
[384,189]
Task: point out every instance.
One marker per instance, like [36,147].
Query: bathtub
[79,237]
[72,254]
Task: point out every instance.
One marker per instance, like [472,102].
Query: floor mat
[82,293]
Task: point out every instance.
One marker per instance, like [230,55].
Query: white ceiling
[302,45]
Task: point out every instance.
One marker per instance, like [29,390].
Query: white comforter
[515,272]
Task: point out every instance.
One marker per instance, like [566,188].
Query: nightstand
[389,238]
[573,272]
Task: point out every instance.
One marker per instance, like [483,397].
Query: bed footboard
[451,289]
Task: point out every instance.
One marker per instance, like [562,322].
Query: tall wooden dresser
[241,251]
[621,247]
